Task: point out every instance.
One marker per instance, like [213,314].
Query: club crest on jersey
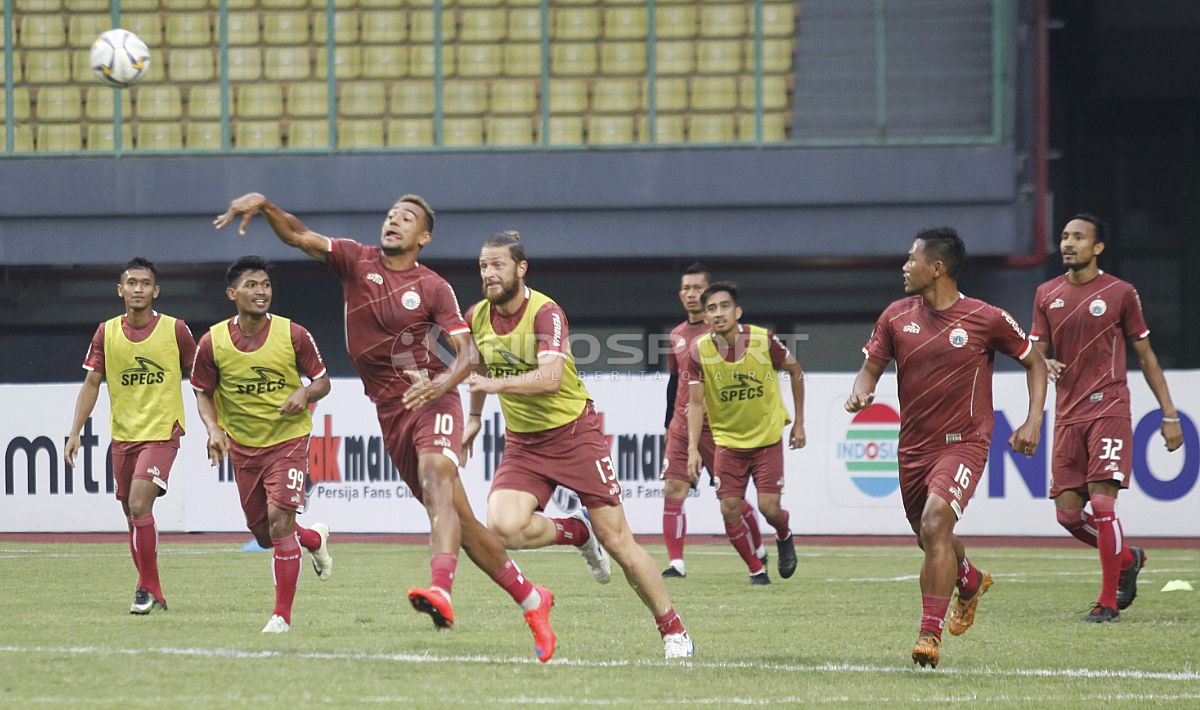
[912,328]
[375,278]
[410,300]
[1057,303]
[958,337]
[1097,307]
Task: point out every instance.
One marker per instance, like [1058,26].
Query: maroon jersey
[944,362]
[681,339]
[204,370]
[1086,326]
[549,325]
[94,360]
[391,318]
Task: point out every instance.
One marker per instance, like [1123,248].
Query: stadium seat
[421,61]
[384,27]
[48,66]
[779,19]
[100,136]
[429,3]
[308,134]
[714,93]
[58,103]
[37,5]
[410,132]
[203,135]
[347,62]
[285,28]
[81,67]
[624,22]
[670,94]
[360,133]
[668,128]
[82,30]
[59,138]
[189,29]
[775,92]
[777,56]
[259,101]
[568,96]
[308,100]
[147,25]
[362,98]
[575,23]
[565,130]
[462,132]
[191,65]
[482,3]
[675,21]
[183,5]
[204,101]
[21,104]
[384,61]
[522,60]
[257,135]
[617,96]
[723,21]
[41,32]
[412,98]
[610,130]
[161,103]
[345,28]
[524,25]
[421,25]
[510,131]
[319,5]
[623,58]
[159,136]
[99,103]
[710,128]
[288,63]
[483,25]
[241,27]
[480,60]
[17,66]
[774,127]
[573,59]
[22,139]
[245,63]
[385,4]
[513,96]
[137,6]
[84,6]
[464,97]
[524,3]
[674,57]
[284,4]
[718,57]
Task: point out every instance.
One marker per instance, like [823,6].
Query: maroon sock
[1126,552]
[309,539]
[969,578]
[674,527]
[512,581]
[287,573]
[1078,523]
[443,566]
[751,519]
[145,550]
[933,613]
[569,531]
[782,531]
[739,536]
[1111,545]
[669,623]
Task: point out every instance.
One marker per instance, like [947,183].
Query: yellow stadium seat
[610,130]
[58,103]
[242,28]
[617,96]
[410,132]
[522,60]
[675,21]
[87,6]
[718,57]
[81,67]
[137,6]
[779,19]
[236,4]
[319,5]
[774,127]
[625,22]
[160,103]
[464,97]
[462,132]
[513,97]
[481,3]
[421,25]
[204,101]
[525,3]
[284,4]
[189,29]
[48,66]
[568,96]
[714,93]
[22,139]
[387,4]
[670,94]
[412,98]
[245,63]
[159,136]
[191,65]
[38,5]
[360,133]
[259,101]
[184,4]
[384,27]
[482,25]
[573,59]
[421,61]
[623,58]
[99,103]
[347,62]
[345,27]
[384,62]
[257,135]
[510,131]
[288,63]
[668,128]
[710,128]
[147,25]
[775,92]
[20,104]
[723,21]
[41,32]
[429,3]
[524,24]
[675,57]
[777,56]
[308,134]
[17,66]
[100,136]
[285,27]
[480,60]
[59,138]
[308,100]
[362,98]
[203,135]
[576,23]
[82,30]
[565,130]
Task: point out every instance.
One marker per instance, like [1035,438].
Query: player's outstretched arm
[89,392]
[863,392]
[1026,438]
[798,439]
[695,419]
[466,360]
[546,379]
[218,443]
[290,230]
[1171,430]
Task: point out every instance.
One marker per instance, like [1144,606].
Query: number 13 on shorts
[608,475]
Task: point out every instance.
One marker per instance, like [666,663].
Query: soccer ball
[120,58]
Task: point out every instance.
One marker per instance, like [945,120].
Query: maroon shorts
[575,455]
[409,434]
[736,466]
[674,465]
[143,461]
[273,474]
[951,473]
[1086,452]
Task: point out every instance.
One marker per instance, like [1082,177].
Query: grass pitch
[839,632]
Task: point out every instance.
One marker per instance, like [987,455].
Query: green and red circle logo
[869,450]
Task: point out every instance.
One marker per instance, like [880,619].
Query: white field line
[1187,675]
[1021,576]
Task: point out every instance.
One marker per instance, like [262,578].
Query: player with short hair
[1085,317]
[553,436]
[676,481]
[256,409]
[143,355]
[731,375]
[396,309]
[944,345]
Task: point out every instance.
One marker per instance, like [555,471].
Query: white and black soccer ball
[120,58]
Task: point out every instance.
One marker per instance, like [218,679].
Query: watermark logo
[869,450]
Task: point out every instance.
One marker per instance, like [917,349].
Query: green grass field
[839,632]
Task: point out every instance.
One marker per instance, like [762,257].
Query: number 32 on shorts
[608,475]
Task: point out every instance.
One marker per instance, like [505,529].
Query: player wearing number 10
[944,345]
[247,378]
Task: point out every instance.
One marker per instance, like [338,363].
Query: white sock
[533,601]
[761,552]
[678,565]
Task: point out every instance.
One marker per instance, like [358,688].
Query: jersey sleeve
[469,316]
[880,348]
[94,360]
[343,254]
[446,314]
[1133,321]
[551,329]
[1040,330]
[187,346]
[689,365]
[308,356]
[1005,335]
[779,351]
[204,368]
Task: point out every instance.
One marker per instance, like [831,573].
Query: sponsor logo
[1056,303]
[268,380]
[746,387]
[1012,321]
[443,442]
[912,328]
[958,337]
[153,471]
[512,365]
[147,372]
[1096,396]
[1098,307]
[953,438]
[870,448]
[296,498]
[410,300]
[956,492]
[375,278]
[1112,466]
